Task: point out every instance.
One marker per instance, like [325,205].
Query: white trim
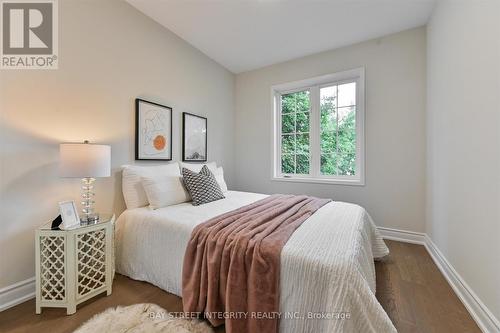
[402,235]
[331,181]
[319,80]
[477,309]
[313,85]
[17,293]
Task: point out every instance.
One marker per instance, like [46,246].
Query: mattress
[327,280]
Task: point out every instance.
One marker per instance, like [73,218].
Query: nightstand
[74,265]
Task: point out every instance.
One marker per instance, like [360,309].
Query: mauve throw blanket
[232,262]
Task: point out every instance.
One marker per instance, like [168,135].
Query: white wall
[463,120]
[394,193]
[109,54]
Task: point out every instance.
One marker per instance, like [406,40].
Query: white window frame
[314,85]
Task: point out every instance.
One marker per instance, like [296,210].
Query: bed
[327,280]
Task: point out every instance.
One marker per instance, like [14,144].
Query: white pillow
[133,190]
[196,167]
[219,177]
[165,190]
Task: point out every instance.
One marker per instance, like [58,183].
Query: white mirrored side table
[74,265]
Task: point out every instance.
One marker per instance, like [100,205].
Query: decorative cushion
[133,190]
[212,166]
[165,190]
[202,186]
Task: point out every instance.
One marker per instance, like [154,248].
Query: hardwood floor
[409,286]
[415,294]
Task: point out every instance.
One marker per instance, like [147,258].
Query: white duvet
[327,270]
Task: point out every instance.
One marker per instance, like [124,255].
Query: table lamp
[86,161]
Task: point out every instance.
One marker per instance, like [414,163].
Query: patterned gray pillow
[202,186]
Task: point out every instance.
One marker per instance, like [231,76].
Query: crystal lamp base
[89,216]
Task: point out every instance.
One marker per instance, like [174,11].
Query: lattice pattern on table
[91,254]
[52,270]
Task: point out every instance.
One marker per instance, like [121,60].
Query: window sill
[348,182]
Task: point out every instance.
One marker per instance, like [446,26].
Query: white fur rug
[141,318]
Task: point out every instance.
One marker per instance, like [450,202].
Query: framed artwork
[153,131]
[69,215]
[194,138]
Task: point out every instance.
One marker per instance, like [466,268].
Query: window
[318,129]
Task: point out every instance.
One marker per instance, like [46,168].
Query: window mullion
[278,153]
[314,132]
[337,132]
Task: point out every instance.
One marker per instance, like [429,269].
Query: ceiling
[242,35]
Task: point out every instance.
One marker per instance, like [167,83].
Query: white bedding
[326,266]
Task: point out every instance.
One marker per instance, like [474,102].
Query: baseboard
[479,312]
[402,235]
[17,293]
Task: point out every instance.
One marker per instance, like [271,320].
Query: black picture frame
[140,155]
[185,157]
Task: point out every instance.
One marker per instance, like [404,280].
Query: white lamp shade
[81,160]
